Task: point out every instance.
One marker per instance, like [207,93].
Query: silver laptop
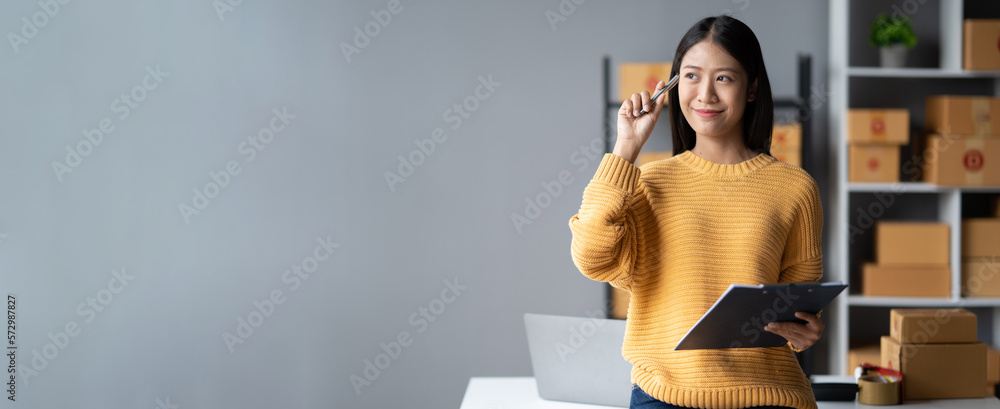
[579,359]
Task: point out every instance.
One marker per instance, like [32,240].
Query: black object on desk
[738,317]
[842,392]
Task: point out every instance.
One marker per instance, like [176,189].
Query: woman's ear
[752,92]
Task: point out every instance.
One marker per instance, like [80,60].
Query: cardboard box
[619,303]
[791,155]
[873,163]
[786,135]
[968,115]
[981,237]
[937,371]
[981,278]
[912,243]
[652,156]
[856,356]
[956,160]
[932,325]
[981,45]
[881,126]
[905,281]
[637,77]
[992,366]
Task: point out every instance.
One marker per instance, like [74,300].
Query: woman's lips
[706,113]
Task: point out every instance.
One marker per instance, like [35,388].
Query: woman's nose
[706,93]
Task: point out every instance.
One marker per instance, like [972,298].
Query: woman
[676,233]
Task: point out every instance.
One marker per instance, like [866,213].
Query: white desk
[520,393]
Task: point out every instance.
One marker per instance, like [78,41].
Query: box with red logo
[873,163]
[881,126]
[967,115]
[637,77]
[981,45]
[786,143]
[959,160]
[786,135]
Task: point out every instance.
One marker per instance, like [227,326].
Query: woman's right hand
[633,130]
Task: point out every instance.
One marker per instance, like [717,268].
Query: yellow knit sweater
[676,233]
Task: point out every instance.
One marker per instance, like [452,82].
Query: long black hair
[739,41]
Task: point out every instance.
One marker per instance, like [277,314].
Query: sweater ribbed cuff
[617,171]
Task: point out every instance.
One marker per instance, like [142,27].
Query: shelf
[865,84]
[866,301]
[879,72]
[916,187]
[899,187]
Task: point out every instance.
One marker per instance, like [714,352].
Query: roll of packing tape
[879,390]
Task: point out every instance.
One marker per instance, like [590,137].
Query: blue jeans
[641,400]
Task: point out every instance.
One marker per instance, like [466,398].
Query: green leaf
[887,31]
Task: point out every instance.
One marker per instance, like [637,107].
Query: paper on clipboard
[738,317]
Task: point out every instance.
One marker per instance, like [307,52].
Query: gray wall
[322,176]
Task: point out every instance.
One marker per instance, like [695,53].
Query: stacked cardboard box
[962,161]
[963,145]
[786,143]
[911,261]
[619,303]
[874,137]
[652,156]
[871,354]
[992,370]
[980,262]
[981,49]
[937,353]
[962,115]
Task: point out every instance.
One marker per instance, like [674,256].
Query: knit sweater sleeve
[605,245]
[803,256]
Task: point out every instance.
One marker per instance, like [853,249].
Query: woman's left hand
[801,336]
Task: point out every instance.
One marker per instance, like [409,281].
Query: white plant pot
[893,56]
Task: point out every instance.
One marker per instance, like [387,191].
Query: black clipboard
[737,318]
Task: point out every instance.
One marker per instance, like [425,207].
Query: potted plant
[893,36]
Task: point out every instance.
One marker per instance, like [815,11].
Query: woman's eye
[690,76]
[723,78]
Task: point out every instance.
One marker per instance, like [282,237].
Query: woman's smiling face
[713,91]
